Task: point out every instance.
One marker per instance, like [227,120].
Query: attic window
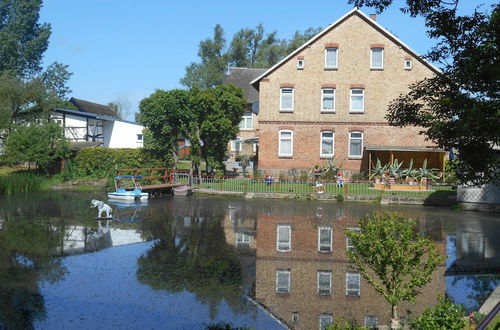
[408,64]
[300,64]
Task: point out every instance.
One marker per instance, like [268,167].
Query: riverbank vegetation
[21,182]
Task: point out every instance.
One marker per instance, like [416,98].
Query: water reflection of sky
[155,284]
[101,291]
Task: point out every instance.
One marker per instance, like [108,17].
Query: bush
[445,315]
[98,163]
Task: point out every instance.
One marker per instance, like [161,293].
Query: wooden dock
[154,180]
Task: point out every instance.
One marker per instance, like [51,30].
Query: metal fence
[312,186]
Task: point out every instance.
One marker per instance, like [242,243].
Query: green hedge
[100,163]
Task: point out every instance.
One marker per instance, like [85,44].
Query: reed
[20,182]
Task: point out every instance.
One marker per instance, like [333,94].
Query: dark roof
[242,77]
[98,109]
[92,115]
[403,148]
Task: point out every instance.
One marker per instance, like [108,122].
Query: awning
[403,148]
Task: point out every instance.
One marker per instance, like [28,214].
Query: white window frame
[300,64]
[282,89]
[295,317]
[348,242]
[284,246]
[321,154]
[408,64]
[283,290]
[280,139]
[324,291]
[336,65]
[362,142]
[372,50]
[329,247]
[323,96]
[242,239]
[233,144]
[247,117]
[329,320]
[351,110]
[352,292]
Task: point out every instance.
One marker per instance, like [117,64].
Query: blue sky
[130,48]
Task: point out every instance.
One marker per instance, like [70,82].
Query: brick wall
[354,38]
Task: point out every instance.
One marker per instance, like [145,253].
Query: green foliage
[20,182]
[339,198]
[425,173]
[208,118]
[23,39]
[458,107]
[224,326]
[401,260]
[249,47]
[378,171]
[41,144]
[444,316]
[99,163]
[363,175]
[344,325]
[329,170]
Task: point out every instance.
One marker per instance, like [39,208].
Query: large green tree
[249,47]
[392,258]
[209,118]
[458,109]
[23,39]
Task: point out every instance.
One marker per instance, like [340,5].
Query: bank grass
[298,186]
[22,181]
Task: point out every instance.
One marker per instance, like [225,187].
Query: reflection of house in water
[476,250]
[80,239]
[303,276]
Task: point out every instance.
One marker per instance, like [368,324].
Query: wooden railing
[148,174]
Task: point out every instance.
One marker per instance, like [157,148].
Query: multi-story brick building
[304,278]
[329,98]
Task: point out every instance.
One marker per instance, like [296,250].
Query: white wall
[121,134]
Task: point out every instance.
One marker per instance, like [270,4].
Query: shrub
[98,163]
[445,315]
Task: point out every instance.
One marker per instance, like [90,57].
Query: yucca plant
[394,169]
[410,173]
[427,173]
[378,171]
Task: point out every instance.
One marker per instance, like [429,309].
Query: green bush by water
[99,163]
[21,182]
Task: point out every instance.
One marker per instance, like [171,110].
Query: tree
[122,106]
[23,39]
[41,144]
[392,258]
[458,109]
[208,118]
[252,48]
[444,316]
[55,78]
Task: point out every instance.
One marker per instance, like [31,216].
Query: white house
[97,124]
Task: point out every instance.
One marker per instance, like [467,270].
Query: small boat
[122,194]
[182,190]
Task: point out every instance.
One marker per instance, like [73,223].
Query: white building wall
[122,135]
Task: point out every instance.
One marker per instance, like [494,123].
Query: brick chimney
[373,17]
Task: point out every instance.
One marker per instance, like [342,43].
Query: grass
[306,187]
[21,182]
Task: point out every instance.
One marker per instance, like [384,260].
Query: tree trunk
[395,318]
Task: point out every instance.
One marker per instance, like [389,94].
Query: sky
[127,49]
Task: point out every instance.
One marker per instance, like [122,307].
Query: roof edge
[379,27]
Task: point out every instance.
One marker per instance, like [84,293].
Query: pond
[186,262]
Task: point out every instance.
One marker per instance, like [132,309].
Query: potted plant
[410,173]
[394,170]
[378,171]
[427,174]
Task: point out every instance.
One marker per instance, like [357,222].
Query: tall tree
[210,71]
[458,109]
[252,48]
[23,40]
[392,258]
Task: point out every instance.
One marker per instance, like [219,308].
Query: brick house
[330,96]
[246,141]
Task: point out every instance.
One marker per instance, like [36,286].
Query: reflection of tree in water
[27,247]
[195,258]
[480,288]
